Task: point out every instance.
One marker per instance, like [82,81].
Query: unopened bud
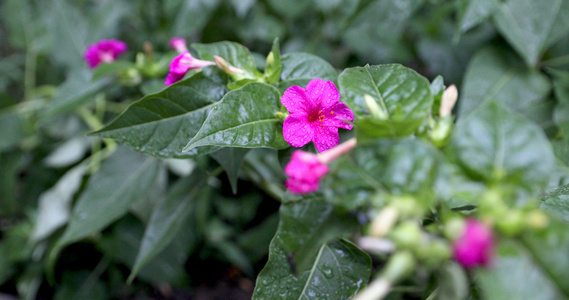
[384,221]
[270,59]
[399,266]
[407,235]
[454,228]
[511,223]
[374,109]
[537,220]
[441,132]
[222,64]
[448,100]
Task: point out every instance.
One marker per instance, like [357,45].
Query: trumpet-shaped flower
[304,172]
[182,64]
[475,246]
[316,113]
[104,51]
[178,44]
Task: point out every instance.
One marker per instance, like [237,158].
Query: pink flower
[316,113]
[178,44]
[182,64]
[104,51]
[304,172]
[475,247]
[305,169]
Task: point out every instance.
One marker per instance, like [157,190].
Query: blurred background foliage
[221,240]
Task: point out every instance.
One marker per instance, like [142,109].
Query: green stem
[272,189]
[30,73]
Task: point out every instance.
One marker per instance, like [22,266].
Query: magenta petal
[304,172]
[173,78]
[342,114]
[325,138]
[296,100]
[323,93]
[297,131]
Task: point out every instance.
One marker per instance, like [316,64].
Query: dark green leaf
[453,283]
[231,160]
[234,53]
[192,16]
[168,217]
[474,12]
[122,243]
[161,124]
[243,118]
[55,204]
[495,144]
[304,262]
[74,92]
[514,275]
[300,68]
[561,113]
[527,24]
[290,8]
[123,178]
[550,250]
[376,30]
[9,174]
[401,92]
[493,75]
[11,138]
[557,203]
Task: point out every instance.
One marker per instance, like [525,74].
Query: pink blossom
[305,169]
[182,64]
[104,51]
[304,172]
[475,247]
[316,113]
[178,44]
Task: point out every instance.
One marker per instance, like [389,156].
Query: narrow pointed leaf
[161,124]
[123,178]
[231,160]
[243,118]
[168,217]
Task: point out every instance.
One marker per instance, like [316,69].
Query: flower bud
[223,65]
[383,222]
[407,235]
[441,132]
[537,219]
[448,100]
[178,44]
[475,246]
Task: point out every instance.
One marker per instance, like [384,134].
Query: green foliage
[195,206]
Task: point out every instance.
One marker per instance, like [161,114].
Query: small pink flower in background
[178,44]
[476,245]
[304,172]
[305,169]
[182,64]
[104,51]
[316,113]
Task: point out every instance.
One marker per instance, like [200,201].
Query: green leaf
[244,118]
[495,144]
[453,282]
[557,203]
[192,16]
[550,249]
[401,92]
[123,178]
[473,12]
[274,64]
[74,92]
[493,75]
[300,68]
[305,263]
[290,8]
[10,182]
[375,32]
[168,217]
[10,139]
[561,112]
[122,243]
[113,68]
[161,124]
[235,54]
[514,275]
[527,24]
[231,160]
[55,204]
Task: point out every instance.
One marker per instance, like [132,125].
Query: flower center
[316,116]
[106,56]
